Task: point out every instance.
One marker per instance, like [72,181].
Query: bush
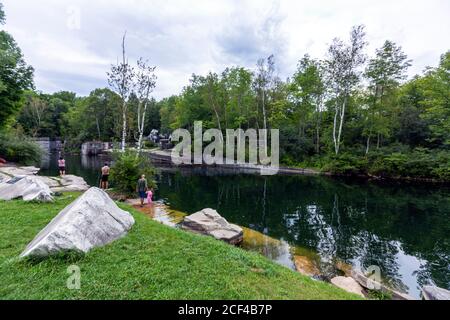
[345,163]
[20,149]
[127,169]
[149,144]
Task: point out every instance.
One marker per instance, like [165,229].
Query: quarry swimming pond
[403,229]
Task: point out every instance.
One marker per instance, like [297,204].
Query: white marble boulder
[348,284]
[209,222]
[93,220]
[435,293]
[29,188]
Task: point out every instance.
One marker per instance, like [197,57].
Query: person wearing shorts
[62,166]
[105,176]
[142,189]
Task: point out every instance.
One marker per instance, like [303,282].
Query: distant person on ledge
[142,189]
[105,176]
[62,166]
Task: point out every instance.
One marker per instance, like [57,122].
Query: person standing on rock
[62,166]
[142,189]
[105,176]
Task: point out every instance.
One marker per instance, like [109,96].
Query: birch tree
[120,79]
[343,75]
[263,81]
[145,82]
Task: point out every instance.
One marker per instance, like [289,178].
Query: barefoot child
[150,196]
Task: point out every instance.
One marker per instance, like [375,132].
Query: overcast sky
[71,44]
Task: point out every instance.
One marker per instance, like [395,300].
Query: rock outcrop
[68,183]
[435,293]
[209,222]
[348,284]
[29,188]
[93,220]
[65,183]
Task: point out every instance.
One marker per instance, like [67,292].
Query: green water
[403,229]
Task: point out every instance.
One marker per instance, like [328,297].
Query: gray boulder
[28,188]
[435,293]
[93,220]
[209,222]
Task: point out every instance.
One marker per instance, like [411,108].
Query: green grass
[152,262]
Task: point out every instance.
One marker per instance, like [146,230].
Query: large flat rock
[209,222]
[435,293]
[348,284]
[19,171]
[93,220]
[29,188]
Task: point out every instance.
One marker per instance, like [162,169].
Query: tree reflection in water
[404,230]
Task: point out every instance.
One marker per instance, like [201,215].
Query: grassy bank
[152,262]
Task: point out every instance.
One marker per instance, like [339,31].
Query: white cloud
[196,36]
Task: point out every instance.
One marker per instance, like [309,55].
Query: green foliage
[127,169]
[17,148]
[345,163]
[15,77]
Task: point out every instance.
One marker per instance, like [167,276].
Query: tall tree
[120,78]
[435,86]
[307,91]
[384,72]
[343,75]
[264,78]
[15,75]
[145,83]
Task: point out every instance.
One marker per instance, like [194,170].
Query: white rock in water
[28,188]
[435,293]
[93,220]
[348,284]
[209,222]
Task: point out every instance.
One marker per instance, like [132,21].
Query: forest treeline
[353,112]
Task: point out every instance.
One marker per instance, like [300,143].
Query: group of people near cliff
[142,188]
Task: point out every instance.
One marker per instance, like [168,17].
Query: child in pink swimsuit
[149,196]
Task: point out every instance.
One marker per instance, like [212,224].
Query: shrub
[345,163]
[127,169]
[149,144]
[18,148]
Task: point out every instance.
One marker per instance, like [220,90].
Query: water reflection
[403,230]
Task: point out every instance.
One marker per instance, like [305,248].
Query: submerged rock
[209,222]
[29,188]
[348,284]
[306,266]
[93,220]
[435,293]
[370,284]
